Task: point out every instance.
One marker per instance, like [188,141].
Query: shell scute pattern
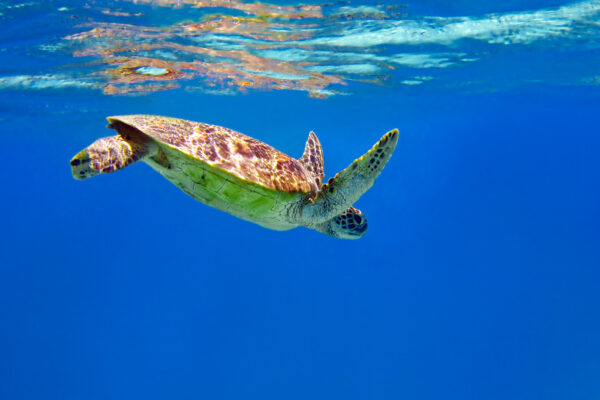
[247,158]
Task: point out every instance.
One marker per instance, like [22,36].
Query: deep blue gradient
[478,278]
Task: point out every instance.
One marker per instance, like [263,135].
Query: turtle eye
[357,219]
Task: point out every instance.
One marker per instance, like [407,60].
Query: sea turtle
[241,175]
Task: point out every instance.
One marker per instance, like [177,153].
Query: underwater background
[479,275]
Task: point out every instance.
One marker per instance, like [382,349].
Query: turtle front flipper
[108,154]
[312,159]
[344,189]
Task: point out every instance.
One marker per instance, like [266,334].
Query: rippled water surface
[478,276]
[232,47]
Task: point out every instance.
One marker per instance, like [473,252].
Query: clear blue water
[479,275]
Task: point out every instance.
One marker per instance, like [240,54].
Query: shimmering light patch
[416,80]
[231,46]
[42,82]
[352,69]
[509,28]
[154,71]
[254,8]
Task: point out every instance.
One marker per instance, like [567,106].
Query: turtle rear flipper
[106,155]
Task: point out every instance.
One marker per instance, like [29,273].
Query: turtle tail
[107,155]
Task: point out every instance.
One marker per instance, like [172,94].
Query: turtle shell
[221,148]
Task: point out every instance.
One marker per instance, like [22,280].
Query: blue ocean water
[478,277]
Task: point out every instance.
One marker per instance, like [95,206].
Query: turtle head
[351,224]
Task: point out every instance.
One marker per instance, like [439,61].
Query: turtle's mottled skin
[241,175]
